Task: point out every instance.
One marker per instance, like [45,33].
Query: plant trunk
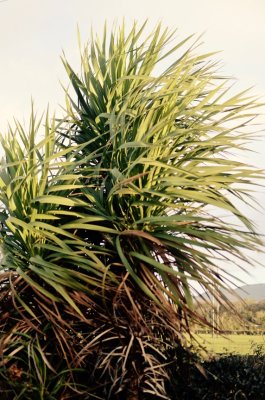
[133,392]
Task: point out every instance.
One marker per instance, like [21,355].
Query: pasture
[228,344]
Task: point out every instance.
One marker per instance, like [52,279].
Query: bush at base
[232,377]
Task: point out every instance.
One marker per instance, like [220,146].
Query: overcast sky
[33,34]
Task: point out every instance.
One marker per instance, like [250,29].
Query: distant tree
[111,217]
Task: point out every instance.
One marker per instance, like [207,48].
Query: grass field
[237,344]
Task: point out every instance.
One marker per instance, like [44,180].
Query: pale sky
[33,34]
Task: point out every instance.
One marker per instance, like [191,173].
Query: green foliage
[29,375]
[107,220]
[232,377]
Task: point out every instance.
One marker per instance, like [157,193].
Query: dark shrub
[233,377]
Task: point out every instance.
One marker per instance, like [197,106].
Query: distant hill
[254,292]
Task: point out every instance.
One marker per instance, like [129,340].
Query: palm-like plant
[111,221]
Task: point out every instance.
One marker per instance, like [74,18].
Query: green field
[238,344]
